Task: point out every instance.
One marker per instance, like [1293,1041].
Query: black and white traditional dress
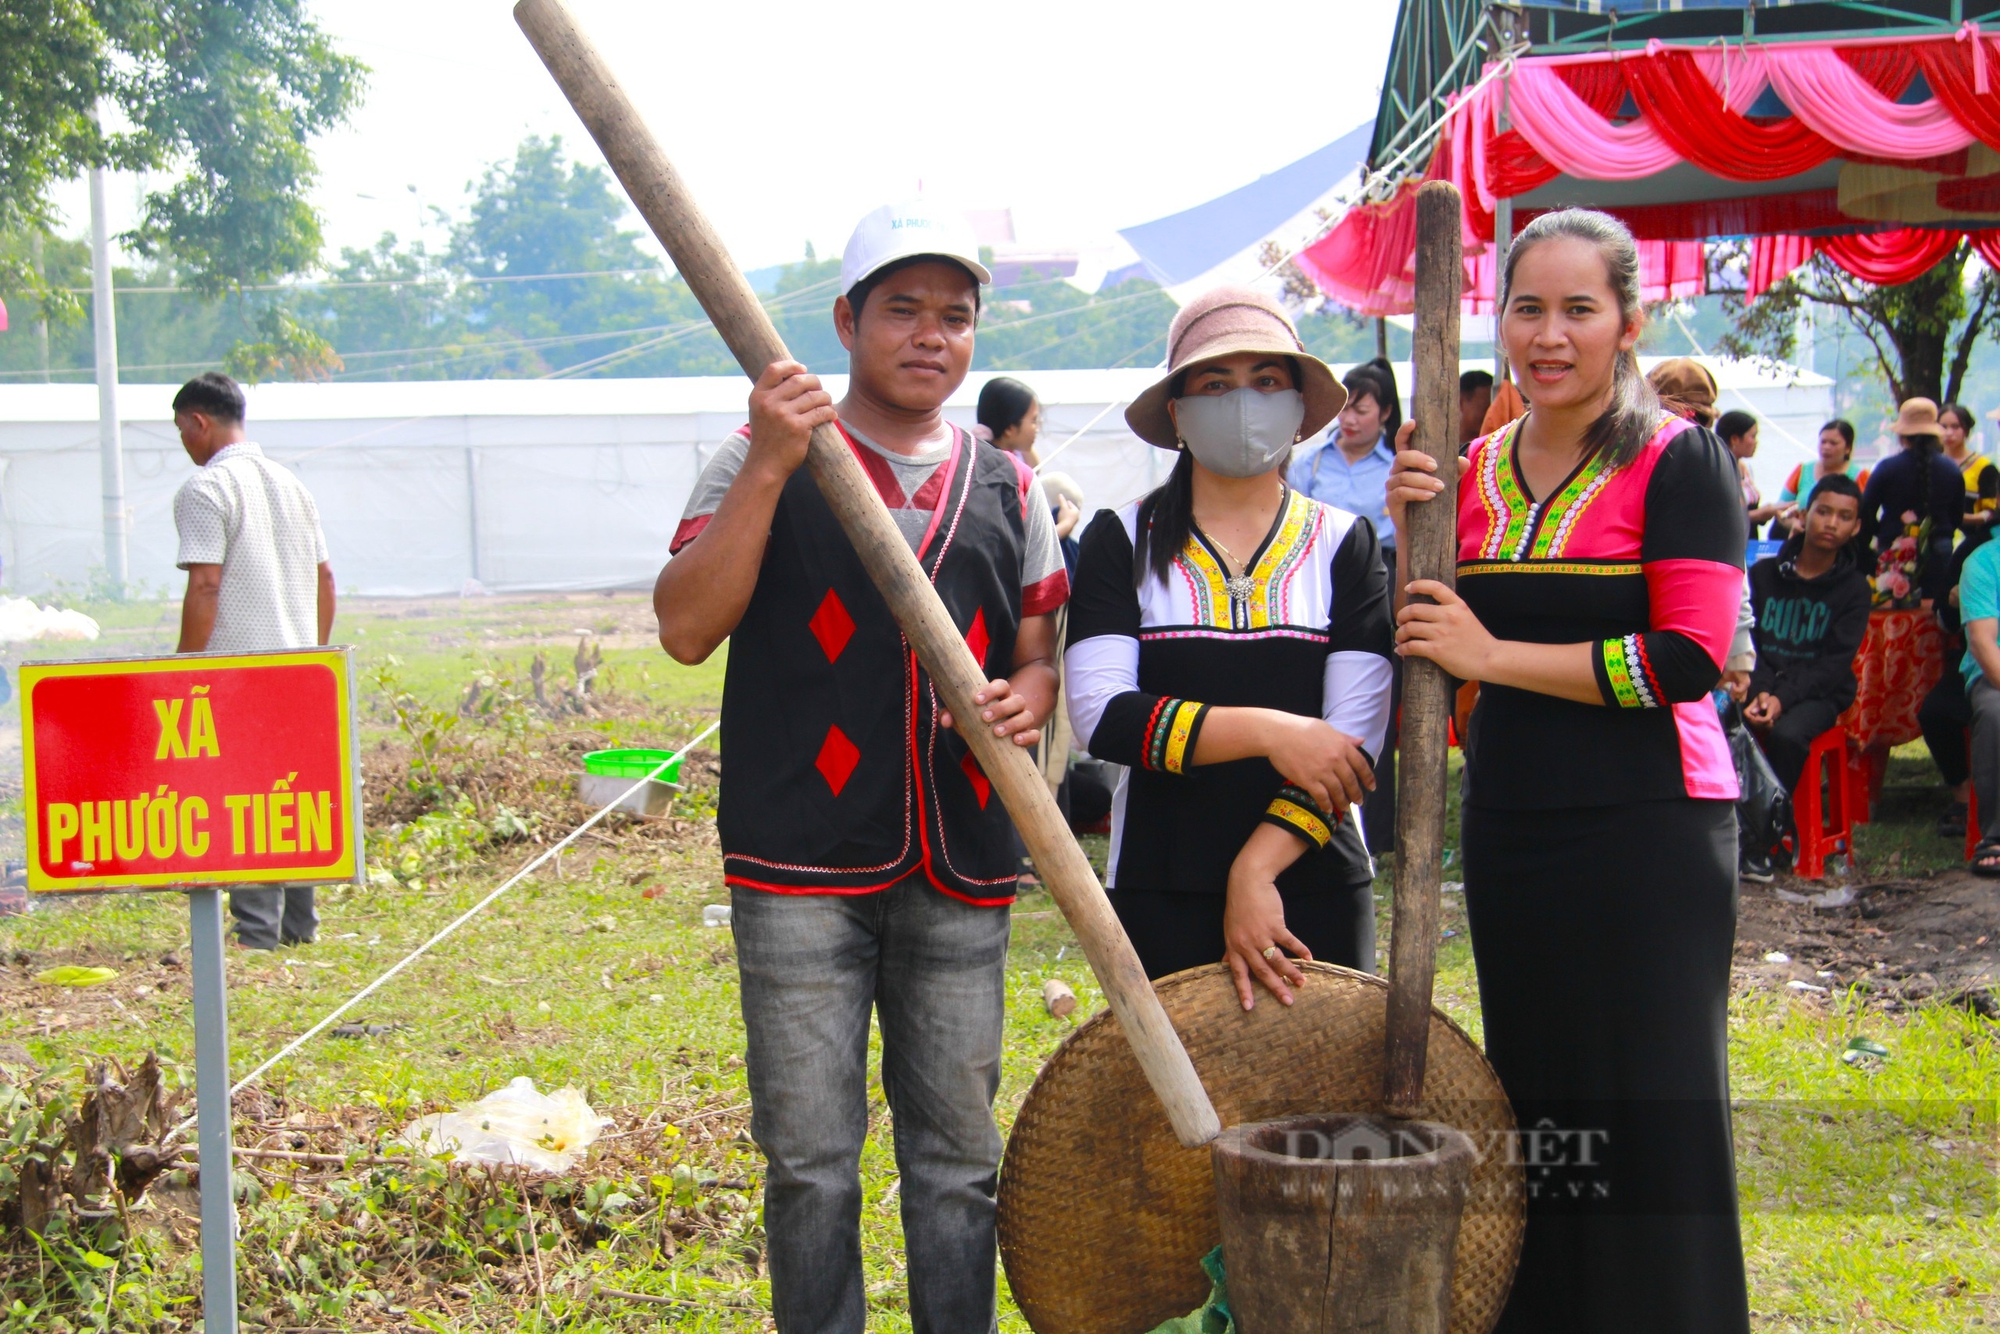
[1305,630]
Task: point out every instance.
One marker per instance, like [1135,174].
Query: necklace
[1240,586]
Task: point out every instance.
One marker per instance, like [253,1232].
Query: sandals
[1952,823]
[1986,859]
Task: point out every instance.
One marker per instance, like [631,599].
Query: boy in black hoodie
[1811,602]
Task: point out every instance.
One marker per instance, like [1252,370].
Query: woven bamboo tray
[1104,1217]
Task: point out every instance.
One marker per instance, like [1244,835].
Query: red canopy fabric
[1883,258]
[1687,112]
[1987,243]
[1685,115]
[1888,68]
[1366,263]
[1957,73]
[1773,258]
[1888,258]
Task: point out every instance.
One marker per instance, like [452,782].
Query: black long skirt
[1603,940]
[1172,931]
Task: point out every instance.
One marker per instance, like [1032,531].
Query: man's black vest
[836,777]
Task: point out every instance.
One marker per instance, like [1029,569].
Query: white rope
[1161,365]
[1079,433]
[456,923]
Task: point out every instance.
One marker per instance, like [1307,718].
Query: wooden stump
[1345,1223]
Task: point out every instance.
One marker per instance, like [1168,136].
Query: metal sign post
[195,773]
[211,1093]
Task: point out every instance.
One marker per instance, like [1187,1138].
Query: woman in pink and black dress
[1600,565]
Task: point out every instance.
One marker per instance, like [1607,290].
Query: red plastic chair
[1864,781]
[1825,827]
[1971,824]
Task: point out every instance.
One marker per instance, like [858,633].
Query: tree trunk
[1921,354]
[1921,320]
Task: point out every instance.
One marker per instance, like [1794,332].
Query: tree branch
[1975,324]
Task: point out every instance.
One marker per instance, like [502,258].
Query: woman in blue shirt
[1349,469]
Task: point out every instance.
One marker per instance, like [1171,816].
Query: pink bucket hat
[1221,322]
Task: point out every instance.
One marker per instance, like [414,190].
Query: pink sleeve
[1697,598]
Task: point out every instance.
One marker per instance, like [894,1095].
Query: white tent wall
[540,485]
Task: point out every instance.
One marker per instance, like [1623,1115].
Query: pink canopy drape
[1563,116]
[1692,107]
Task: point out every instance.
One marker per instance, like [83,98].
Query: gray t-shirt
[257,521]
[911,485]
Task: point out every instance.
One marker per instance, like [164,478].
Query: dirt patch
[1936,938]
[143,986]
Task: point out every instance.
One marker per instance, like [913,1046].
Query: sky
[790,120]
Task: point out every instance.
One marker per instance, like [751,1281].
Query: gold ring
[1271,951]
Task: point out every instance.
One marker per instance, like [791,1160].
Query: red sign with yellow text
[161,773]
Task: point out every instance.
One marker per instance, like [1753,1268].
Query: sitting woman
[1739,431]
[1229,645]
[1836,457]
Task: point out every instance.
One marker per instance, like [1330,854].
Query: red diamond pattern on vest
[837,758]
[832,627]
[982,786]
[978,641]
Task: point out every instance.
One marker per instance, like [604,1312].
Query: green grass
[1882,1218]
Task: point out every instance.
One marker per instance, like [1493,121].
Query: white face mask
[1243,433]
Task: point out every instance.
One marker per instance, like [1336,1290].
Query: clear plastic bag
[515,1125]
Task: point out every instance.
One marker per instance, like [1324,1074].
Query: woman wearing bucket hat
[1229,645]
[1600,563]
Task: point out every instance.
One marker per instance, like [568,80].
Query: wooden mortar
[1340,1223]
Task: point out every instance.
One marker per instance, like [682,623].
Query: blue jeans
[934,971]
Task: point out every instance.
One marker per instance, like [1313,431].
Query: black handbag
[1763,807]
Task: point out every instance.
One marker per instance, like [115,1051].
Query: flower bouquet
[1899,570]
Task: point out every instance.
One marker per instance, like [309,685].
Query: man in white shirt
[258,578]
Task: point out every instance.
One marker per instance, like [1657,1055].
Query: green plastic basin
[631,764]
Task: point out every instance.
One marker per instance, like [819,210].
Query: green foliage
[544,215]
[428,729]
[1922,333]
[1062,326]
[222,95]
[1337,335]
[54,73]
[91,1263]
[482,307]
[1862,1224]
[284,345]
[48,271]
[234,88]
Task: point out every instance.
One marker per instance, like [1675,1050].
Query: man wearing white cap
[870,864]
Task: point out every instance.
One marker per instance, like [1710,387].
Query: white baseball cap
[898,231]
